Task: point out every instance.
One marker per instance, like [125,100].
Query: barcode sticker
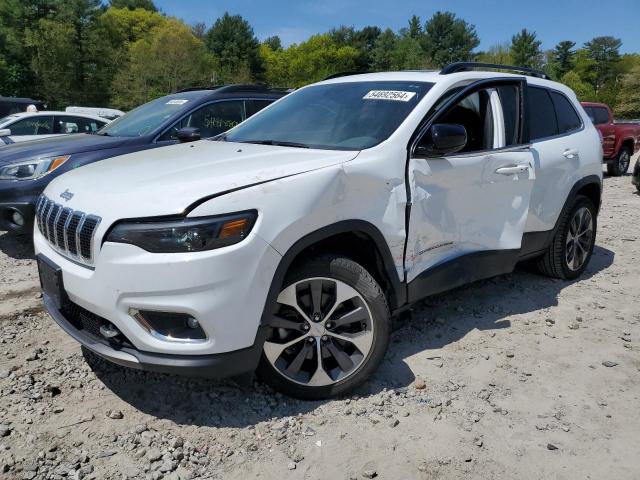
[395,95]
[177,102]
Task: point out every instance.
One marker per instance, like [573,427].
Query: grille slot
[69,232]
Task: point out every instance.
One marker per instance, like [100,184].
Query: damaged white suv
[287,245]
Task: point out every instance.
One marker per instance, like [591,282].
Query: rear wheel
[572,246]
[620,164]
[329,332]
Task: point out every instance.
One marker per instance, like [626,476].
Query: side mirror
[5,132]
[188,134]
[442,139]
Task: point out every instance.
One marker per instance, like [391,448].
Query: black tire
[349,272]
[554,262]
[620,165]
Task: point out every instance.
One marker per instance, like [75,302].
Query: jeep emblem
[67,195]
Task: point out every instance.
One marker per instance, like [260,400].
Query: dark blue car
[27,167]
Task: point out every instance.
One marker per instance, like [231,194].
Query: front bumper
[209,366]
[225,290]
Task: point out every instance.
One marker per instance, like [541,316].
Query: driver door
[469,206]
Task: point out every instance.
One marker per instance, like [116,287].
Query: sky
[495,20]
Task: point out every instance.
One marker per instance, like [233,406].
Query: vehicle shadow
[17,246]
[436,322]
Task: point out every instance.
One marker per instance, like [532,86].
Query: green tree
[273,42]
[199,30]
[133,4]
[414,30]
[382,53]
[449,39]
[628,105]
[307,62]
[525,49]
[169,59]
[232,42]
[563,58]
[605,54]
[583,90]
[362,40]
[498,54]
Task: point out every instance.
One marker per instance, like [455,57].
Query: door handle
[571,152]
[512,169]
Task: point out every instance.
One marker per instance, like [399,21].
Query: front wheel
[329,332]
[572,246]
[620,164]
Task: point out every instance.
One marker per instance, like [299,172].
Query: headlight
[185,235]
[32,169]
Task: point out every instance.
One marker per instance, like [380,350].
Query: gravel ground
[519,376]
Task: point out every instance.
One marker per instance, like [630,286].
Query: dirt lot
[506,378]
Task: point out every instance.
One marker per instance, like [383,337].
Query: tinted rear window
[601,115]
[542,115]
[568,119]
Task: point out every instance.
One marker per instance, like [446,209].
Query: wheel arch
[357,239]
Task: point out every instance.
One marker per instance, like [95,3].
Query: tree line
[126,52]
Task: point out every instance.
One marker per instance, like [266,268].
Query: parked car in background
[10,105]
[24,126]
[108,113]
[27,167]
[636,175]
[620,140]
[289,243]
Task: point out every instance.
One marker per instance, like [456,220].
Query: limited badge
[395,95]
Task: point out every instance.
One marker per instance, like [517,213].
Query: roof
[434,76]
[53,112]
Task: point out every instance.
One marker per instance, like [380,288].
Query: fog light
[17,218]
[192,323]
[170,326]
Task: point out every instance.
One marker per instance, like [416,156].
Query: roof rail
[343,74]
[467,66]
[261,88]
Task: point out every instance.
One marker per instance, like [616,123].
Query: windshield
[7,119]
[337,116]
[144,119]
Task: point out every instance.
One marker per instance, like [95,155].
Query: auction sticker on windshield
[395,95]
[177,102]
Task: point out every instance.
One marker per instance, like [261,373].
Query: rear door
[469,209]
[556,135]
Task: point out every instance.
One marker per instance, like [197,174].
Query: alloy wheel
[579,238]
[322,332]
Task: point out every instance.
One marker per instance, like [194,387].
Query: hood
[166,181]
[59,145]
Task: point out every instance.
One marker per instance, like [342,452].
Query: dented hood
[168,180]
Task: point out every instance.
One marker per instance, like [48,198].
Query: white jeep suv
[289,244]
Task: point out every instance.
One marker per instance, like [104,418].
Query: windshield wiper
[277,143]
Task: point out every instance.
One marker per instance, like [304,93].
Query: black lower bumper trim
[220,365]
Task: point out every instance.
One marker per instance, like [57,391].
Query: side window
[542,115]
[39,125]
[211,119]
[474,112]
[568,119]
[591,114]
[510,102]
[254,106]
[601,116]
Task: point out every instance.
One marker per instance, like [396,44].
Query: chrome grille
[69,232]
